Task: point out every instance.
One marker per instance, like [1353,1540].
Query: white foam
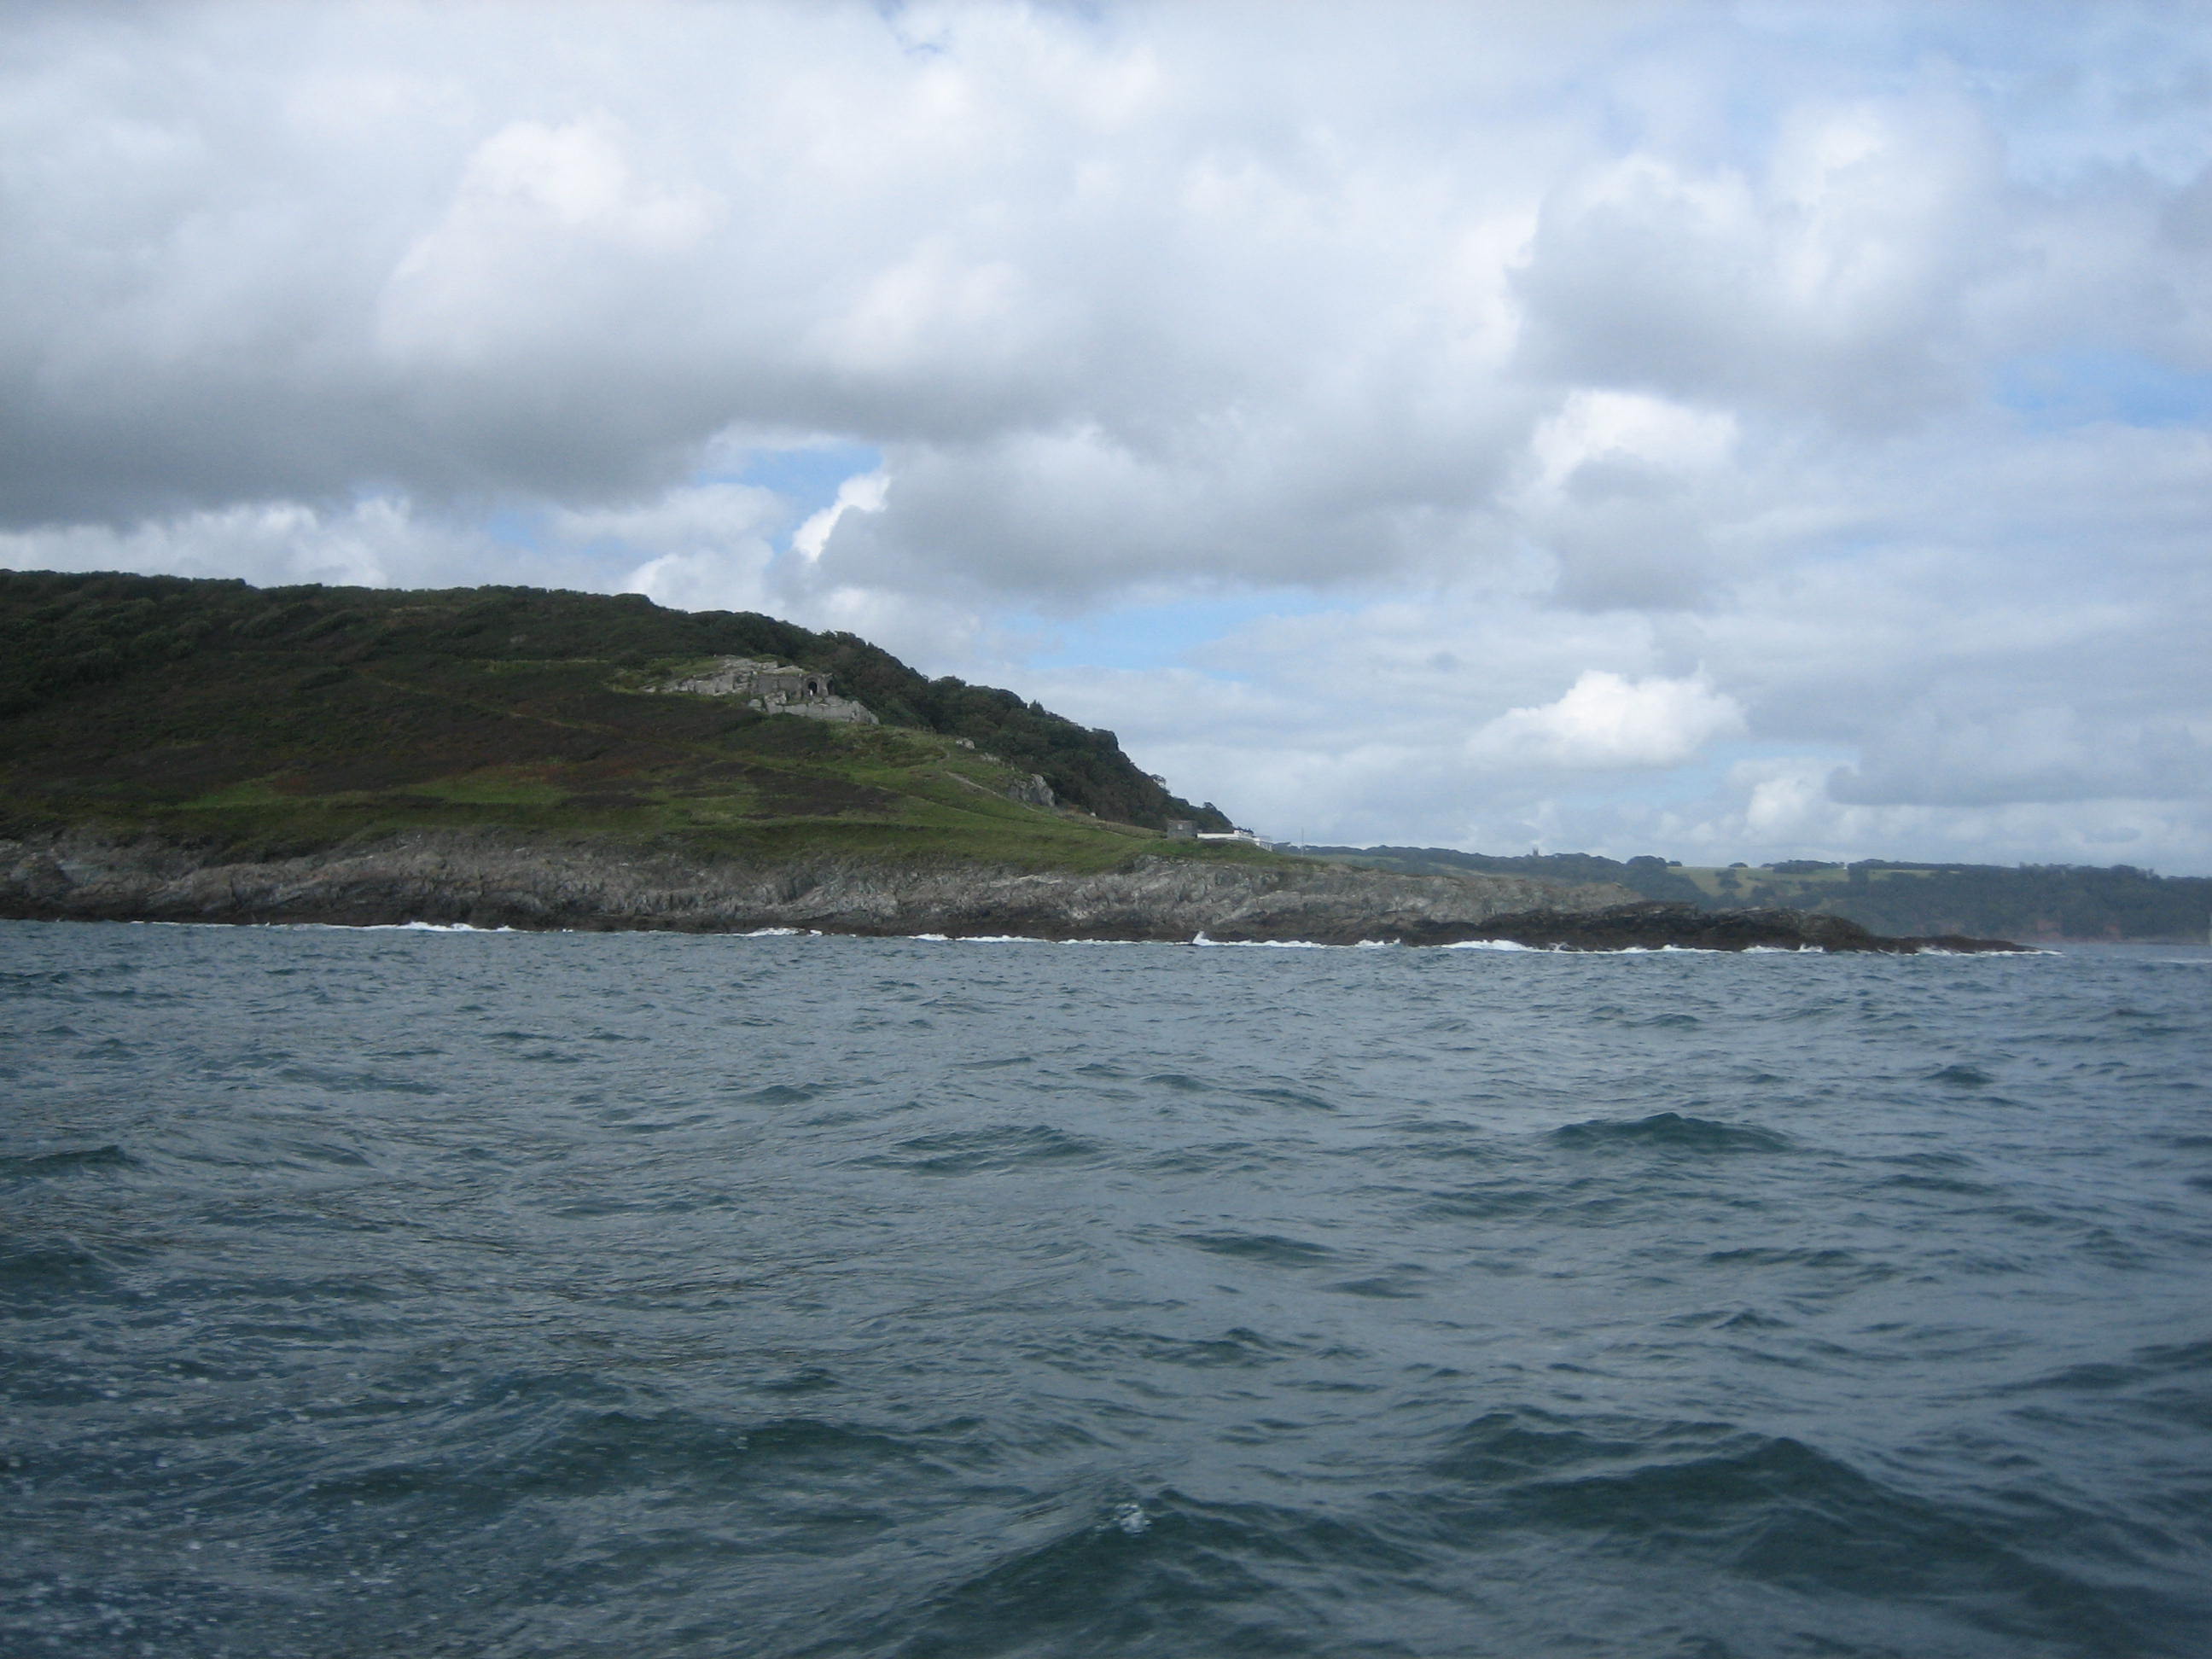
[392,926]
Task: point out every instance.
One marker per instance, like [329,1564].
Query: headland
[184,750]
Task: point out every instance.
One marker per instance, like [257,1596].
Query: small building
[773,687]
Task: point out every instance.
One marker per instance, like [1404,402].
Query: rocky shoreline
[488,881]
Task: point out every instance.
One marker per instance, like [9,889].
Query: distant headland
[2042,903]
[182,749]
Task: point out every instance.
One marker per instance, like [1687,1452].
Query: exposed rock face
[773,688]
[489,882]
[492,882]
[828,706]
[1035,793]
[1651,925]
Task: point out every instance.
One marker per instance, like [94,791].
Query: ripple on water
[74,1161]
[1770,1507]
[1167,1573]
[976,1152]
[1270,1249]
[1671,1131]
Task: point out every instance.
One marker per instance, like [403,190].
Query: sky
[1725,431]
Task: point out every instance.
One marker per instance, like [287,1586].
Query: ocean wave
[1672,1131]
[74,1161]
[865,1300]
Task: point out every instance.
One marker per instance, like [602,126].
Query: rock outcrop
[1646,925]
[491,882]
[1033,791]
[771,688]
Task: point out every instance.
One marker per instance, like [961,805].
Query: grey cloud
[1834,280]
[1078,511]
[245,265]
[256,257]
[429,251]
[1647,546]
[1954,756]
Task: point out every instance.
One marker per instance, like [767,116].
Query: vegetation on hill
[2051,900]
[1651,877]
[286,718]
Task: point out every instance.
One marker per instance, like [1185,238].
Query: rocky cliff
[490,881]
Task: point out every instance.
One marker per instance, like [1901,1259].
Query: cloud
[1619,400]
[864,492]
[2049,752]
[709,545]
[1830,281]
[373,544]
[1607,720]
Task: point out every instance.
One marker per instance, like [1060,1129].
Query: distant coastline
[488,880]
[178,749]
[2040,903]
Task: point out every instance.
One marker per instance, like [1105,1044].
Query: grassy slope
[287,720]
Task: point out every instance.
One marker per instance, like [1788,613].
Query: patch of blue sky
[512,527]
[1165,635]
[603,566]
[2086,386]
[808,478]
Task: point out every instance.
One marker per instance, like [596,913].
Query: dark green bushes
[60,633]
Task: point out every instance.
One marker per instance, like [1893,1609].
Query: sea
[415,1292]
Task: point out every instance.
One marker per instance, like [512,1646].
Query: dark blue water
[411,1293]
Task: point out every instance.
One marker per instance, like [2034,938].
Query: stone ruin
[772,688]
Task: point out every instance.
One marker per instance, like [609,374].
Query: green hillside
[2026,902]
[287,718]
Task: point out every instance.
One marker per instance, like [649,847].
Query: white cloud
[373,543]
[536,208]
[1607,720]
[709,543]
[864,492]
[1594,428]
